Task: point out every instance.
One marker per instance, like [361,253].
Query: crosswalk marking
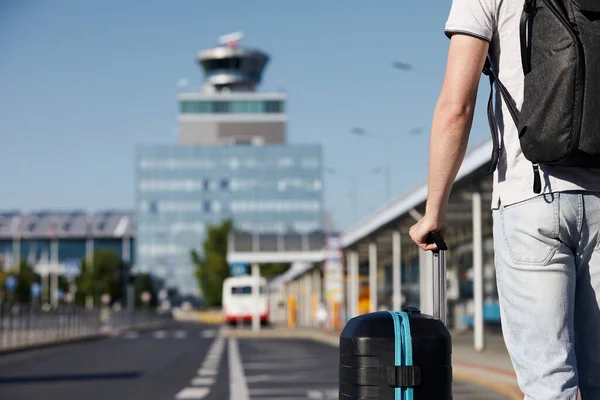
[180,334]
[131,335]
[192,393]
[208,334]
[238,387]
[207,372]
[202,381]
[160,334]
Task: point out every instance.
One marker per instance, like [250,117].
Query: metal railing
[23,325]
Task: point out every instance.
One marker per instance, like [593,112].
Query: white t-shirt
[497,21]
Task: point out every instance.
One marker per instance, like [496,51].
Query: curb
[461,371]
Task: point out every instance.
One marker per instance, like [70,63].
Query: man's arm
[450,130]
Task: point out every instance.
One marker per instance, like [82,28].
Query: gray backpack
[559,122]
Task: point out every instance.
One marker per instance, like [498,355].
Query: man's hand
[419,232]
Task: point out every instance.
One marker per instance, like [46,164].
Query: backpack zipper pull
[537,182]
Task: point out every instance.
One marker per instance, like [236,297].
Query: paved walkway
[490,368]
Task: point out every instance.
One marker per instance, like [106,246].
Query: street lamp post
[355,180]
[385,140]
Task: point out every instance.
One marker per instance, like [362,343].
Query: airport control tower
[228,109]
[232,160]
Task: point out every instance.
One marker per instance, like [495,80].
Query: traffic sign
[36,289]
[10,283]
[237,269]
[72,267]
[146,296]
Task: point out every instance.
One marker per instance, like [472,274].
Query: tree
[212,267]
[25,277]
[102,276]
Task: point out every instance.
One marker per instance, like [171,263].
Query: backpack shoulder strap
[514,112]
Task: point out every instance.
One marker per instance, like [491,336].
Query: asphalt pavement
[150,365]
[184,361]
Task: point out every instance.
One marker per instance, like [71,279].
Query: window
[236,107]
[234,163]
[310,163]
[222,107]
[207,206]
[274,106]
[246,290]
[31,226]
[241,290]
[224,184]
[222,63]
[196,107]
[285,162]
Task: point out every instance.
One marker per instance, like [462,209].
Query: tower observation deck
[230,68]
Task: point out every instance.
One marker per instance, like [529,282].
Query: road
[185,361]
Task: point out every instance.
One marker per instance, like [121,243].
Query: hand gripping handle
[439,276]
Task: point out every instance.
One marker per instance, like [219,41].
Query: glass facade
[181,190]
[35,250]
[232,107]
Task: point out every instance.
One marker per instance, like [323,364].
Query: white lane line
[238,387]
[180,335]
[160,334]
[322,394]
[192,393]
[131,335]
[207,372]
[258,378]
[203,381]
[208,334]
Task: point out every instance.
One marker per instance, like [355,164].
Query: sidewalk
[490,368]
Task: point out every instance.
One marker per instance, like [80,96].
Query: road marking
[258,378]
[160,334]
[192,393]
[131,335]
[206,372]
[238,387]
[208,334]
[322,394]
[201,385]
[211,364]
[202,381]
[180,334]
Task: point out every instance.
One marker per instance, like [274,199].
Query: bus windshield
[236,290]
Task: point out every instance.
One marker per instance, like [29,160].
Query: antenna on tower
[231,39]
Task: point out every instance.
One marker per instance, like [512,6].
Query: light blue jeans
[547,260]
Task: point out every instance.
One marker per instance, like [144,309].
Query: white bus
[239,303]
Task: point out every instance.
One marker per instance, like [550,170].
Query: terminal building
[58,237]
[232,160]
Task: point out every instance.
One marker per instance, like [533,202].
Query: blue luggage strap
[404,374]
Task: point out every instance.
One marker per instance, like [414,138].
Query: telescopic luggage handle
[439,276]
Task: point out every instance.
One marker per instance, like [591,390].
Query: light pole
[385,140]
[355,178]
[362,132]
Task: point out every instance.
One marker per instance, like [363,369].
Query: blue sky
[82,82]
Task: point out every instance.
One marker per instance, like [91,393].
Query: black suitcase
[400,355]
